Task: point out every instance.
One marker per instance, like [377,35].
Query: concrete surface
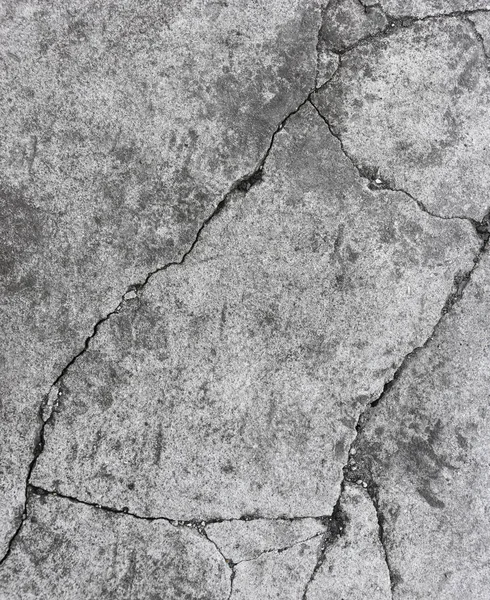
[245,284]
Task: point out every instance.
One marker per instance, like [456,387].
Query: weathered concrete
[231,386]
[426,449]
[424,8]
[68,550]
[276,574]
[123,125]
[245,279]
[481,22]
[412,109]
[345,22]
[354,566]
[247,540]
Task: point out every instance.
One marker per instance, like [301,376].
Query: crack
[46,412]
[335,529]
[372,490]
[277,550]
[479,37]
[375,183]
[197,525]
[322,553]
[350,469]
[232,579]
[403,22]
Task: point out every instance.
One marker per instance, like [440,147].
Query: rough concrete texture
[354,567]
[425,8]
[412,109]
[123,125]
[276,574]
[234,381]
[481,23]
[68,550]
[246,540]
[426,452]
[345,22]
[244,273]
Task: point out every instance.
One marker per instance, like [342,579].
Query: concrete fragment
[247,540]
[234,385]
[414,106]
[354,566]
[276,574]
[427,448]
[75,552]
[122,125]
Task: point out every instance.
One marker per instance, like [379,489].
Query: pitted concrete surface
[245,288]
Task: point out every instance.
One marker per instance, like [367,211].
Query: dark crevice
[243,185]
[376,183]
[322,552]
[394,24]
[373,492]
[232,580]
[197,523]
[335,529]
[357,470]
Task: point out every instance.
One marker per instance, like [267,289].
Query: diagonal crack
[244,184]
[198,525]
[479,37]
[403,22]
[375,183]
[278,550]
[460,283]
[322,552]
[335,530]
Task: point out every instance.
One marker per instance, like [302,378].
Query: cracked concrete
[245,277]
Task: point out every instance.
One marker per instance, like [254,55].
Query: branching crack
[403,22]
[351,474]
[279,550]
[244,184]
[331,524]
[375,183]
[335,529]
[335,524]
